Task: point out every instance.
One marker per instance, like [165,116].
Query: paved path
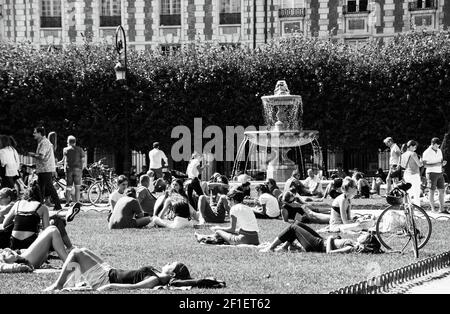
[436,283]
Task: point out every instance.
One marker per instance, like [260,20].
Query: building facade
[168,24]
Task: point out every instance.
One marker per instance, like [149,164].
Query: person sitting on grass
[8,197]
[293,207]
[146,199]
[243,228]
[34,256]
[128,213]
[100,276]
[313,184]
[363,186]
[273,187]
[311,241]
[122,183]
[26,216]
[163,203]
[334,187]
[268,204]
[341,206]
[294,182]
[184,214]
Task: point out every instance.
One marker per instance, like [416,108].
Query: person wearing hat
[433,161]
[100,276]
[156,157]
[243,228]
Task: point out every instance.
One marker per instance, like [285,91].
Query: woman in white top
[411,162]
[341,206]
[194,167]
[268,204]
[244,227]
[9,158]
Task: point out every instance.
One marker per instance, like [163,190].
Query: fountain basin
[286,138]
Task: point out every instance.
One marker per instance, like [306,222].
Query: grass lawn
[244,270]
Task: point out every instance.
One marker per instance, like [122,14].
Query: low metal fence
[386,281]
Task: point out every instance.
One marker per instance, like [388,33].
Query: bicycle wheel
[422,224]
[84,189]
[395,230]
[98,194]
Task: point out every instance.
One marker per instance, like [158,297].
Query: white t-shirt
[245,218]
[192,171]
[115,196]
[395,154]
[10,159]
[156,155]
[313,183]
[431,156]
[272,207]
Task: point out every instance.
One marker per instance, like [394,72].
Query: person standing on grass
[45,166]
[73,159]
[9,158]
[433,161]
[411,163]
[156,156]
[394,162]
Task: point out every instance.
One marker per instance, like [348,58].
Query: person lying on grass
[100,276]
[27,215]
[34,256]
[311,241]
[244,226]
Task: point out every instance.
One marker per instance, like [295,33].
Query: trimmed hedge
[355,96]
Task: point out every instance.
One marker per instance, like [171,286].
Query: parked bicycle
[105,183]
[403,223]
[60,184]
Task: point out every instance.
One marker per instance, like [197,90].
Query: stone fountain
[283,116]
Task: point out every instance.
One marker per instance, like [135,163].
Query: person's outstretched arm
[147,283]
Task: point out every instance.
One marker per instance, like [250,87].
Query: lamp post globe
[121,71]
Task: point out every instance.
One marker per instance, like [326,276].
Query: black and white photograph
[224,155]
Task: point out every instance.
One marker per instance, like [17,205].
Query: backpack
[370,244]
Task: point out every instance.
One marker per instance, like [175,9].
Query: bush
[355,96]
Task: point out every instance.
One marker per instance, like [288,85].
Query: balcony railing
[169,19]
[354,9]
[423,5]
[106,20]
[291,12]
[51,21]
[230,18]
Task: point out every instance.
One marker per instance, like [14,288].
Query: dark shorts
[17,244]
[158,173]
[394,172]
[73,176]
[436,180]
